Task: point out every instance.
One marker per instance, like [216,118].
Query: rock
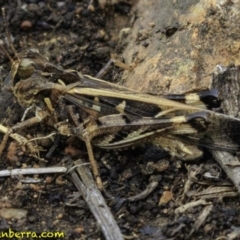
[177,44]
[26,25]
[9,213]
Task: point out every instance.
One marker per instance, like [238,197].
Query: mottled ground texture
[174,46]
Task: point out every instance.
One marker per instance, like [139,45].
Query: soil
[82,36]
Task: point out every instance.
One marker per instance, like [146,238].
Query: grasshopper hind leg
[178,149]
[93,162]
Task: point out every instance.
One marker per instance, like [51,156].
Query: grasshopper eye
[26,68]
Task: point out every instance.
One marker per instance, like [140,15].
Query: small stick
[225,159]
[20,139]
[83,180]
[32,171]
[4,142]
[145,193]
[8,34]
[53,147]
[106,68]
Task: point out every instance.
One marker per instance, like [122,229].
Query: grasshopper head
[27,63]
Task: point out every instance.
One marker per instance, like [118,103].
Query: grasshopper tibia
[93,162]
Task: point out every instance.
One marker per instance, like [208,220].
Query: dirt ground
[81,35]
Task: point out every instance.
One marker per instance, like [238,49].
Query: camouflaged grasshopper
[110,116]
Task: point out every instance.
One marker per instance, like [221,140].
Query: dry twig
[85,183]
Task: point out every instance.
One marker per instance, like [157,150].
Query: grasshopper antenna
[6,52]
[8,37]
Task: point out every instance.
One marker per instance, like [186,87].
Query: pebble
[9,213]
[26,25]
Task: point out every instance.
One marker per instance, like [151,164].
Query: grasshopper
[110,116]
